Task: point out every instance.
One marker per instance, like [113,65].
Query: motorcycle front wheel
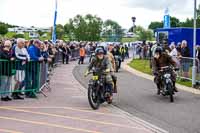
[171,92]
[93,98]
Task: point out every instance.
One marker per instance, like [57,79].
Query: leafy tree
[143,34]
[18,36]
[40,32]
[155,25]
[59,31]
[112,28]
[3,29]
[175,22]
[84,28]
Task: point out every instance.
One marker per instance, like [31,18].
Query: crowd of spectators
[180,53]
[20,60]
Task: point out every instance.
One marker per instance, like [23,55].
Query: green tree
[40,32]
[59,31]
[143,34]
[111,28]
[175,22]
[3,29]
[198,12]
[155,25]
[84,28]
[18,36]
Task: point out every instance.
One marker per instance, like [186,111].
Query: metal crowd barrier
[75,54]
[185,64]
[21,77]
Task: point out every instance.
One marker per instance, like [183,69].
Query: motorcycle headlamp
[167,75]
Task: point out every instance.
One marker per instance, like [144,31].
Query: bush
[18,36]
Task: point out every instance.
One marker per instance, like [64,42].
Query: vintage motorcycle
[98,91]
[167,87]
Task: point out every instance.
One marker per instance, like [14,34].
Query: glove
[155,73]
[107,70]
[86,73]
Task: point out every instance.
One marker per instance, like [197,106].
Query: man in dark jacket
[162,59]
[185,61]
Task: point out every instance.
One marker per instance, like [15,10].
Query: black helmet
[158,50]
[99,51]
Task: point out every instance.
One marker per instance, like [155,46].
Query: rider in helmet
[102,62]
[162,59]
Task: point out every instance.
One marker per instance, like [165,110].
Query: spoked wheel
[109,101]
[171,92]
[93,98]
[117,68]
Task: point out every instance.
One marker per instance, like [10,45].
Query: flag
[54,25]
[166,19]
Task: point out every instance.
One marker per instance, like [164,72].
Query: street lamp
[194,46]
[133,20]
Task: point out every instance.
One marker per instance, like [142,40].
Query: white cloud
[41,12]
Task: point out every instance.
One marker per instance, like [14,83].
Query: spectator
[6,68]
[185,53]
[122,52]
[35,56]
[127,51]
[22,57]
[198,57]
[65,53]
[82,55]
[178,48]
[174,53]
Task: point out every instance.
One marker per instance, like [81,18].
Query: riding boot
[158,91]
[114,78]
[115,88]
[174,85]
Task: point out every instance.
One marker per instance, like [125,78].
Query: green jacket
[103,65]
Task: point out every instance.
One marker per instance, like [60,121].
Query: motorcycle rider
[116,52]
[122,52]
[113,68]
[162,59]
[102,62]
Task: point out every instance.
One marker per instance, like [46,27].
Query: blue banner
[166,19]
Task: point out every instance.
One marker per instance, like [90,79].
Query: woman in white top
[174,53]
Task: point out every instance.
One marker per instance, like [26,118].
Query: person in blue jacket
[34,51]
[33,68]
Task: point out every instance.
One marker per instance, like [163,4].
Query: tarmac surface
[137,96]
[66,110]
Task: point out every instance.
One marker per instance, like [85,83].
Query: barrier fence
[18,76]
[184,64]
[28,77]
[75,54]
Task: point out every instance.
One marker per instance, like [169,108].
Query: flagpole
[194,46]
[54,24]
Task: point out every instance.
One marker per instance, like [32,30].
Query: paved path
[138,97]
[65,110]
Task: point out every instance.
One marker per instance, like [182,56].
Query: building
[177,35]
[31,29]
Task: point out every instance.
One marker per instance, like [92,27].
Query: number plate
[95,77]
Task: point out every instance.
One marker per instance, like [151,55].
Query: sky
[40,13]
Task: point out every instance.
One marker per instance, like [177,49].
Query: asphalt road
[137,96]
